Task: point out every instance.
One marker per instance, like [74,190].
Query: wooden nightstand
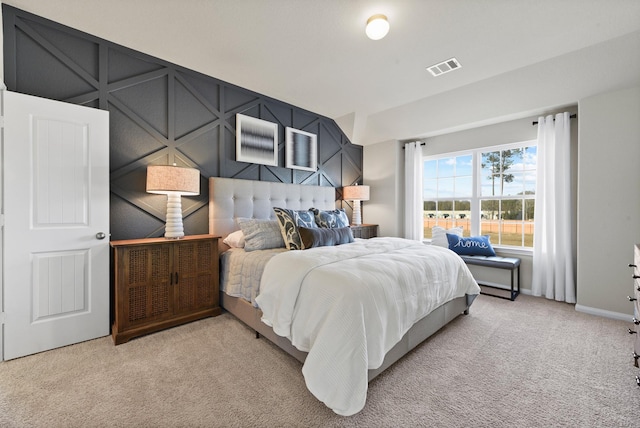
[365,231]
[160,283]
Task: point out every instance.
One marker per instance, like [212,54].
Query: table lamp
[356,194]
[173,181]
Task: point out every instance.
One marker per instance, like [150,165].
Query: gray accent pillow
[325,237]
[289,221]
[260,234]
[330,218]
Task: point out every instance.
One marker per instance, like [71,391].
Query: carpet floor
[528,363]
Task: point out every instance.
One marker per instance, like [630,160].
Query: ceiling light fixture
[377,27]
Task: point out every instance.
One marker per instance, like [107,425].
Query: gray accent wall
[161,113]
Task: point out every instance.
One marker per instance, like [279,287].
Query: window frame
[476,196]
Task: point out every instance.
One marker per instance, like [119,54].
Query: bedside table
[364,231]
[161,283]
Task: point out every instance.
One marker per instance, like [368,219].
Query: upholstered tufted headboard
[230,198]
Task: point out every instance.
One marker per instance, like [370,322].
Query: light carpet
[528,363]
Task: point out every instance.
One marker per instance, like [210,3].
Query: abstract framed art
[301,150]
[256,140]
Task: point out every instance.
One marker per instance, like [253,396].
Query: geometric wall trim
[161,113]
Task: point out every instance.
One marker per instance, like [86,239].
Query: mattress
[240,271]
[348,305]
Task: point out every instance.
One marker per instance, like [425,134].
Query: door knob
[100,235]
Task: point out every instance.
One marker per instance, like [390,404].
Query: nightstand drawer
[364,231]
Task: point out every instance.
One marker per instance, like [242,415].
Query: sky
[452,177]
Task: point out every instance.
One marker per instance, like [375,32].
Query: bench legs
[514,290]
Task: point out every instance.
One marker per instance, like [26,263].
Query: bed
[342,343]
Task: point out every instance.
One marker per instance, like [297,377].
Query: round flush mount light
[377,27]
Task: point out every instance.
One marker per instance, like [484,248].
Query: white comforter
[350,304]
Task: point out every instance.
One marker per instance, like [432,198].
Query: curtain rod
[422,144]
[573,116]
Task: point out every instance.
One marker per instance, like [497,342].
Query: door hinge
[3,318]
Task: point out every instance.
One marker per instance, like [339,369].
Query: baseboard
[604,313]
[580,308]
[506,287]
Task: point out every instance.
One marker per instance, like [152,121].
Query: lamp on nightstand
[356,194]
[173,181]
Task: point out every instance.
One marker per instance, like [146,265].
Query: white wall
[384,167]
[383,173]
[380,156]
[608,194]
[2,87]
[608,200]
[557,82]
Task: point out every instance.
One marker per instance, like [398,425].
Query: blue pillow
[473,246]
[330,218]
[324,237]
[289,221]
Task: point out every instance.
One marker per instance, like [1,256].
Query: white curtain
[552,244]
[413,205]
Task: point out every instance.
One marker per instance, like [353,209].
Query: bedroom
[604,98]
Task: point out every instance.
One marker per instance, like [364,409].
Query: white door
[56,224]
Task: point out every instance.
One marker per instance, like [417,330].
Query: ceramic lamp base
[174,228]
[356,218]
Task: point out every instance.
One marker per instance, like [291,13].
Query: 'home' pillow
[472,246]
[439,237]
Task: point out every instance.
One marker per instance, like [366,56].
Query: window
[489,191]
[448,191]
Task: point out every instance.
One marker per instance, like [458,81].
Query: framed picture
[256,140]
[301,150]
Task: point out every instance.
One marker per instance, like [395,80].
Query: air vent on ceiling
[444,67]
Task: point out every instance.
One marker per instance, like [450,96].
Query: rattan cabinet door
[146,284]
[196,278]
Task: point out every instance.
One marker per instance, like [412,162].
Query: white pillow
[439,235]
[235,239]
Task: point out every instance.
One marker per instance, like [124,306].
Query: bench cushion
[493,261]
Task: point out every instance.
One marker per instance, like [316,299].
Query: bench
[509,263]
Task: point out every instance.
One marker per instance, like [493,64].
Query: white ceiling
[314,53]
